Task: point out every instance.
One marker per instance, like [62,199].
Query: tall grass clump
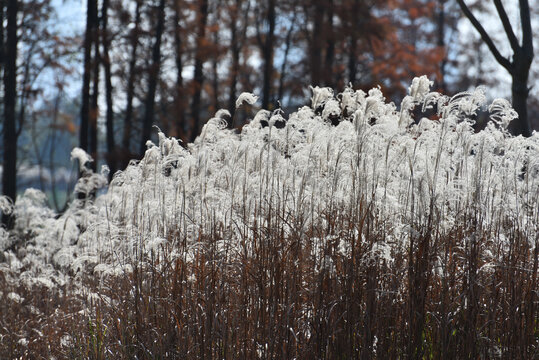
[352,229]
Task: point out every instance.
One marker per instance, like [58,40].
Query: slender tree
[198,75]
[94,104]
[130,90]
[9,174]
[216,53]
[105,60]
[518,65]
[353,36]
[330,45]
[153,77]
[2,5]
[87,75]
[267,47]
[315,43]
[287,46]
[237,43]
[441,27]
[179,101]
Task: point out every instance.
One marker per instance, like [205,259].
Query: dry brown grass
[463,295]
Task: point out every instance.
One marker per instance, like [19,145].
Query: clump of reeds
[352,231]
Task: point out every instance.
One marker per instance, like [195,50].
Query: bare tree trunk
[215,58]
[519,94]
[354,34]
[9,174]
[330,47]
[179,101]
[94,106]
[519,65]
[128,119]
[198,76]
[316,48]
[234,68]
[153,78]
[86,77]
[267,52]
[288,41]
[111,147]
[215,79]
[441,43]
[2,59]
[236,44]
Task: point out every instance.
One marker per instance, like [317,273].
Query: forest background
[100,74]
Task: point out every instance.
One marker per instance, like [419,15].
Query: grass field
[355,230]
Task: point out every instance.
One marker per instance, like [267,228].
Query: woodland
[325,179]
[103,80]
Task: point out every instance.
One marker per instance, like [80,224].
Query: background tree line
[173,63]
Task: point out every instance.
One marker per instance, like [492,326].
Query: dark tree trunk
[352,61]
[234,68]
[215,58]
[94,107]
[179,101]
[153,78]
[354,34]
[519,65]
[215,74]
[267,52]
[198,76]
[128,119]
[441,43]
[2,4]
[330,47]
[519,94]
[111,147]
[522,60]
[86,77]
[288,41]
[237,43]
[315,41]
[9,174]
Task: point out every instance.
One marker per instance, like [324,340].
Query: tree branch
[501,60]
[507,26]
[527,40]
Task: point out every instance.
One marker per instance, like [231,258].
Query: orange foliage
[407,50]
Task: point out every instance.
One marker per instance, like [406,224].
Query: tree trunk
[236,44]
[215,58]
[215,76]
[9,174]
[316,40]
[128,119]
[330,47]
[179,101]
[441,43]
[2,59]
[352,62]
[111,147]
[198,76]
[268,55]
[519,94]
[94,106]
[234,68]
[85,104]
[519,66]
[153,78]
[288,41]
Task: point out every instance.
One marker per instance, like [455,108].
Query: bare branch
[507,25]
[502,60]
[527,40]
